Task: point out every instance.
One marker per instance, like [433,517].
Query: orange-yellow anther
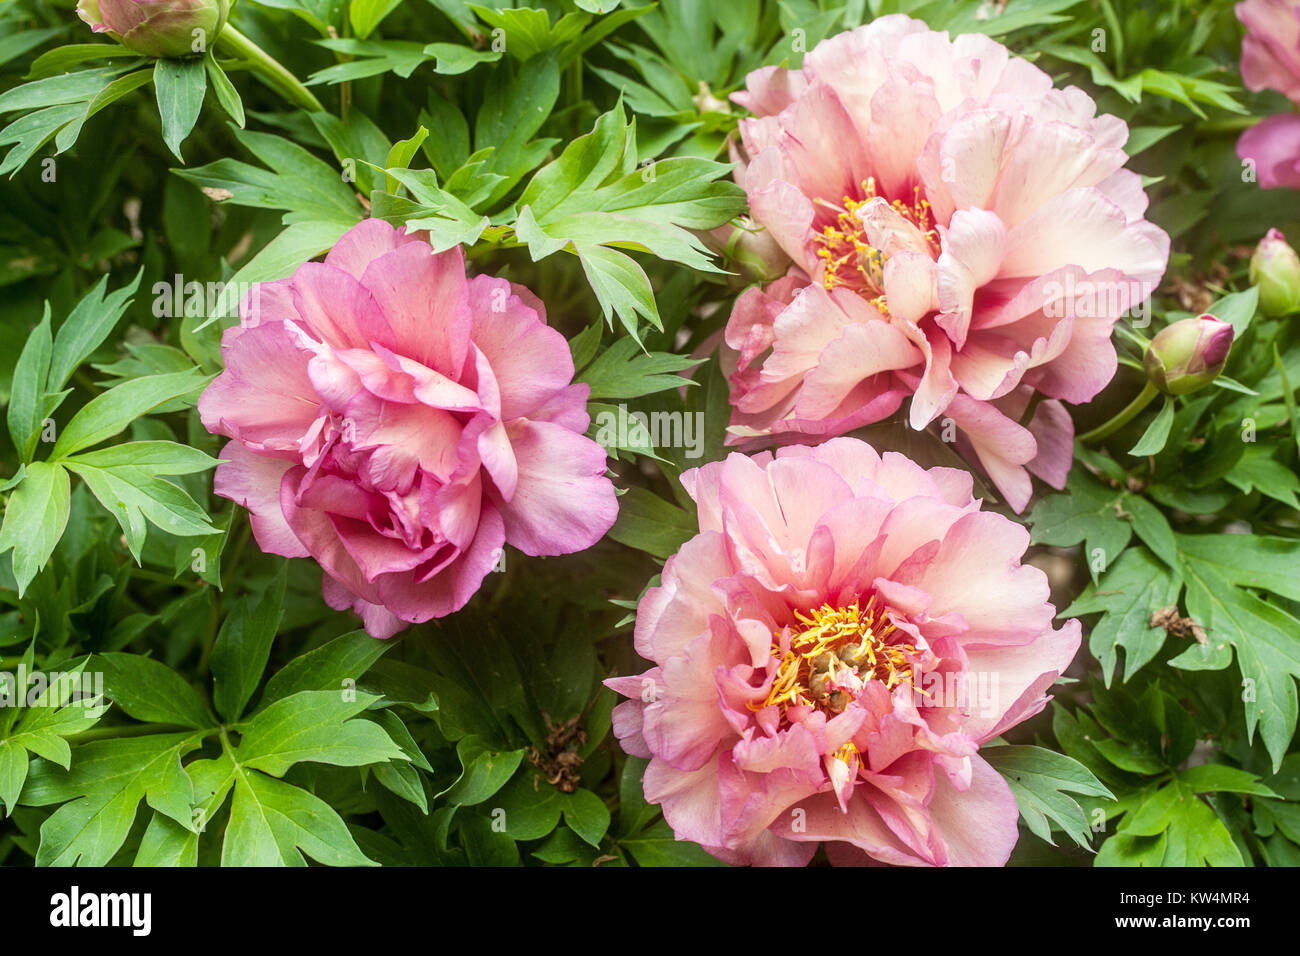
[849,260]
[834,648]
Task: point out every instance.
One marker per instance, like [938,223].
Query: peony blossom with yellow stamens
[829,654]
[963,236]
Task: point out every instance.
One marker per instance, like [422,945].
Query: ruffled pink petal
[531,361]
[424,297]
[562,502]
[253,480]
[264,397]
[1273,145]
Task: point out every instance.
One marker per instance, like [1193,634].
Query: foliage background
[228,740]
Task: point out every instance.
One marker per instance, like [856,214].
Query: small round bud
[1275,268]
[1188,355]
[160,28]
[750,249]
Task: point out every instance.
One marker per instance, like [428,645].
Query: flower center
[833,654]
[849,258]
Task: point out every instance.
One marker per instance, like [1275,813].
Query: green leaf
[225,91]
[633,812]
[167,843]
[658,846]
[648,523]
[403,151]
[126,479]
[1238,309]
[147,457]
[369,58]
[1142,138]
[403,780]
[27,405]
[532,806]
[314,725]
[485,843]
[1268,651]
[1248,560]
[1154,438]
[180,85]
[335,666]
[587,815]
[151,691]
[365,15]
[57,90]
[483,772]
[529,32]
[66,137]
[58,60]
[34,520]
[31,132]
[621,286]
[243,645]
[108,413]
[447,219]
[1191,834]
[18,42]
[1041,781]
[309,189]
[102,791]
[625,371]
[13,773]
[86,328]
[593,198]
[1258,470]
[1088,512]
[273,823]
[1152,527]
[451,59]
[1135,588]
[67,706]
[1220,778]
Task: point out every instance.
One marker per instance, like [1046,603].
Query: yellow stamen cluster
[830,642]
[853,262]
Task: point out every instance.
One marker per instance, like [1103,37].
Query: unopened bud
[1275,268]
[1188,355]
[750,249]
[161,28]
[706,102]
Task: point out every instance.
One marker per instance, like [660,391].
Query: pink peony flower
[1270,60]
[830,652]
[1270,51]
[400,423]
[962,233]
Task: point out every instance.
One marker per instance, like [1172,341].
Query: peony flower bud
[162,28]
[1188,355]
[750,248]
[1275,268]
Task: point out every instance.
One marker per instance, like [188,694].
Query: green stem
[233,43]
[1124,417]
[1134,336]
[1234,125]
[132,730]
